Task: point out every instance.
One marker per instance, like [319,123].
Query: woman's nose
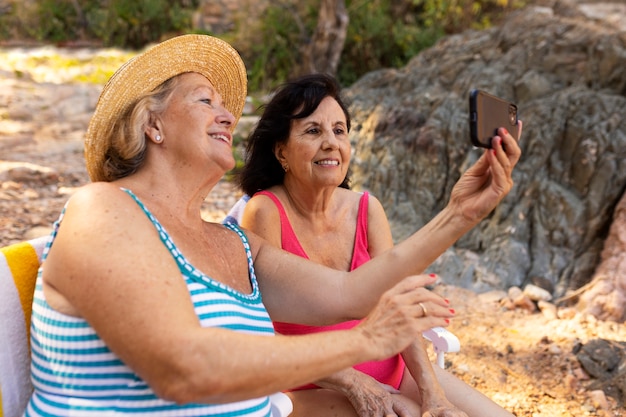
[225,117]
[330,140]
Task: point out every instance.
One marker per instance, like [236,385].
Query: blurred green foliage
[121,23]
[381,33]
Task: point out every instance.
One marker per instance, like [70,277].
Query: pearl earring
[158,138]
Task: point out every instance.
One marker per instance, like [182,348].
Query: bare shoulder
[261,217]
[349,197]
[379,234]
[260,203]
[353,198]
[103,212]
[375,208]
[98,197]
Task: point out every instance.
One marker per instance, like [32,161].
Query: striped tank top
[75,374]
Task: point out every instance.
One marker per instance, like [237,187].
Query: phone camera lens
[512,115]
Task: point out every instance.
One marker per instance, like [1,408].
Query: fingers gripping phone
[487,113]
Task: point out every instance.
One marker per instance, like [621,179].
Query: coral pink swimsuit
[388,371]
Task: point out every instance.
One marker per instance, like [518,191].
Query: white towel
[18,272]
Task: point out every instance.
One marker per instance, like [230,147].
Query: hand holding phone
[487,113]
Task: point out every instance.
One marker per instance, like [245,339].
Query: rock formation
[567,74]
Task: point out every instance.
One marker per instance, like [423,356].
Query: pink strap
[361,254]
[288,239]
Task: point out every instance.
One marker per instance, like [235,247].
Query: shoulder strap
[360,255]
[288,239]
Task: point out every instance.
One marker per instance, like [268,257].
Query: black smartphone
[487,113]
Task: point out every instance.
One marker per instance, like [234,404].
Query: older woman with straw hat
[143,308]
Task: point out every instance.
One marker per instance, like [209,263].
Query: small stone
[514,292]
[567,313]
[598,399]
[547,309]
[525,303]
[536,293]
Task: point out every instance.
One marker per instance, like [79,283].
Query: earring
[285,167]
[158,138]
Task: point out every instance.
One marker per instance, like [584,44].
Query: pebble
[548,310]
[598,399]
[536,293]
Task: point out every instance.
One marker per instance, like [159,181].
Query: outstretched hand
[402,314]
[489,180]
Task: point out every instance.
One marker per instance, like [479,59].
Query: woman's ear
[154,131]
[278,153]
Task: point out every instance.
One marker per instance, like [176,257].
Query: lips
[222,137]
[328,162]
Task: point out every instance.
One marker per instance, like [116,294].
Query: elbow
[187,385]
[173,389]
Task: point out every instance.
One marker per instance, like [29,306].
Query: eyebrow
[204,87]
[212,90]
[315,122]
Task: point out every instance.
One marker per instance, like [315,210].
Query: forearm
[230,366]
[419,365]
[412,256]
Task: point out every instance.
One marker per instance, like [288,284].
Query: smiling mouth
[221,137]
[328,163]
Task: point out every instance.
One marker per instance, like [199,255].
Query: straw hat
[212,57]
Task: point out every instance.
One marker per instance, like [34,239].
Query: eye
[313,131]
[340,131]
[207,101]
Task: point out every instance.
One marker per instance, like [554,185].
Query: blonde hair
[126,139]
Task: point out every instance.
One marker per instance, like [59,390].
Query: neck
[309,203]
[167,197]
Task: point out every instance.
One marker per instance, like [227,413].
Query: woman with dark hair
[262,170]
[296,171]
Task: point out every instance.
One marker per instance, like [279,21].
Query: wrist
[453,217]
[342,381]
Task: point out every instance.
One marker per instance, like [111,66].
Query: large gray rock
[567,73]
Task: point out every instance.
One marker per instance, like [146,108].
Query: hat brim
[212,57]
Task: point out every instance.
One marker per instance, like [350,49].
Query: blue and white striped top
[75,374]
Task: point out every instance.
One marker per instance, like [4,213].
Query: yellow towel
[23,263]
[18,273]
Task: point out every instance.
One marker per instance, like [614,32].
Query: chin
[229,165]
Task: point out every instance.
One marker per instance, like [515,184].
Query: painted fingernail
[447,321]
[506,132]
[446,300]
[452,311]
[432,275]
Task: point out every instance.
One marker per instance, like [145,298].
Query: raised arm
[323,297]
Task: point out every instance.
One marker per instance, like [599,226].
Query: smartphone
[487,113]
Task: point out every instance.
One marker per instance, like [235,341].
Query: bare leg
[330,403]
[468,399]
